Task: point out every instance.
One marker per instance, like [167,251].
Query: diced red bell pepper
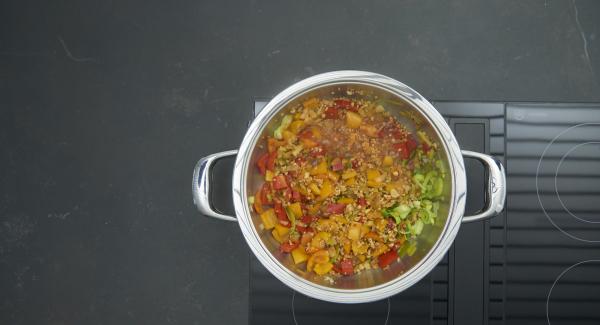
[355,164]
[262,163]
[342,103]
[346,267]
[402,150]
[307,219]
[411,144]
[362,201]
[287,194]
[296,196]
[332,112]
[281,215]
[301,229]
[279,182]
[265,192]
[336,164]
[287,246]
[425,147]
[387,258]
[271,161]
[336,268]
[335,208]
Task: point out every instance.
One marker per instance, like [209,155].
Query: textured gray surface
[105,108]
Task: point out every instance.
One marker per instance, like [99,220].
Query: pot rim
[402,281]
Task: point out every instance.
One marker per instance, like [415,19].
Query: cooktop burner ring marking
[387,316]
[537,189]
[556,183]
[565,271]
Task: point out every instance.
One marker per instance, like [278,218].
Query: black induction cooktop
[536,263]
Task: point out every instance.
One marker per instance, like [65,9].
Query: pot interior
[402,108]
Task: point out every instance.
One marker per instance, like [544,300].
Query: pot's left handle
[201,184]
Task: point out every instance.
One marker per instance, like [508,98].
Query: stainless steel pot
[434,241]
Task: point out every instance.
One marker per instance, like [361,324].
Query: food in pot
[347,186]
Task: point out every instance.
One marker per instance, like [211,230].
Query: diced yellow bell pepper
[318,257]
[269,218]
[345,200]
[380,249]
[350,181]
[359,247]
[296,209]
[323,268]
[313,209]
[269,175]
[299,255]
[277,236]
[320,239]
[320,168]
[370,130]
[388,161]
[348,173]
[373,184]
[354,231]
[296,126]
[288,135]
[327,224]
[333,176]
[311,103]
[314,188]
[347,246]
[326,189]
[281,230]
[373,174]
[353,120]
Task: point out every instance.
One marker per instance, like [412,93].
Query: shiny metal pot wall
[434,241]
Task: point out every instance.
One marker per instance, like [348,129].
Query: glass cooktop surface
[538,262]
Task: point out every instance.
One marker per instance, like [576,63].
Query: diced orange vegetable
[353,120]
[273,144]
[311,103]
[358,247]
[354,231]
[277,236]
[296,126]
[320,168]
[388,160]
[370,130]
[345,200]
[350,181]
[318,257]
[373,174]
[326,189]
[348,173]
[258,202]
[320,240]
[268,218]
[288,135]
[281,230]
[314,188]
[323,268]
[296,209]
[347,246]
[299,255]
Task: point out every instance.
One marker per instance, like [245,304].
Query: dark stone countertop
[106,106]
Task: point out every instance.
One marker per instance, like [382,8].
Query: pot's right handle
[495,189]
[201,184]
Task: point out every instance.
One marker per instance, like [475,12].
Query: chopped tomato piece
[335,208]
[387,258]
[271,161]
[265,194]
[336,164]
[281,215]
[346,267]
[279,182]
[307,219]
[262,163]
[332,112]
[402,150]
[273,144]
[296,196]
[342,103]
[411,144]
[287,247]
[362,201]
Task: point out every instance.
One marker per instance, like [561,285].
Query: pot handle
[496,186]
[201,184]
